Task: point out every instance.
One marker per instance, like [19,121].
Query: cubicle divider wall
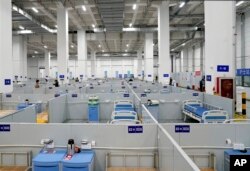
[203,139]
[57,109]
[26,115]
[73,107]
[222,102]
[15,99]
[149,139]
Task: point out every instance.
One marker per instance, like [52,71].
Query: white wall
[247,39]
[190,59]
[111,65]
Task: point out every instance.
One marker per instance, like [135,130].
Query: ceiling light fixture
[72,46]
[55,26]
[183,44]
[15,8]
[134,6]
[102,50]
[83,8]
[182,4]
[35,52]
[127,45]
[45,46]
[239,3]
[24,32]
[126,50]
[153,44]
[130,25]
[21,27]
[99,46]
[93,25]
[34,9]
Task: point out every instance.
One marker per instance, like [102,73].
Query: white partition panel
[210,138]
[108,138]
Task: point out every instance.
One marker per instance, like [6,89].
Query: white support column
[164,69]
[18,55]
[93,64]
[185,60]
[62,43]
[82,54]
[47,63]
[25,61]
[6,63]
[202,57]
[139,65]
[149,57]
[220,40]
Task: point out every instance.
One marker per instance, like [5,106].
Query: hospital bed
[123,105]
[124,114]
[203,112]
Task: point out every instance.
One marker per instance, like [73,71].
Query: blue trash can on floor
[48,161]
[83,161]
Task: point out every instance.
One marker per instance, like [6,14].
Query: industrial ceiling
[113,26]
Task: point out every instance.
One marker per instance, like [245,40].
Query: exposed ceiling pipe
[148,29]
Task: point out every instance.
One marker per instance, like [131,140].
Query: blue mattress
[125,117]
[123,105]
[196,109]
[124,108]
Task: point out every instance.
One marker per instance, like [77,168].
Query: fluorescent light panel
[21,27]
[182,4]
[239,3]
[134,6]
[83,8]
[34,9]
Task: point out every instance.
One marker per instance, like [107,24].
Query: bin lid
[48,159]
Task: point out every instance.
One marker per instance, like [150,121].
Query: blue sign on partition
[5,128]
[182,128]
[8,95]
[149,75]
[243,72]
[195,94]
[144,95]
[139,75]
[91,87]
[7,81]
[81,76]
[165,75]
[209,77]
[126,95]
[222,68]
[93,75]
[134,87]
[165,86]
[135,129]
[61,76]
[74,95]
[57,95]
